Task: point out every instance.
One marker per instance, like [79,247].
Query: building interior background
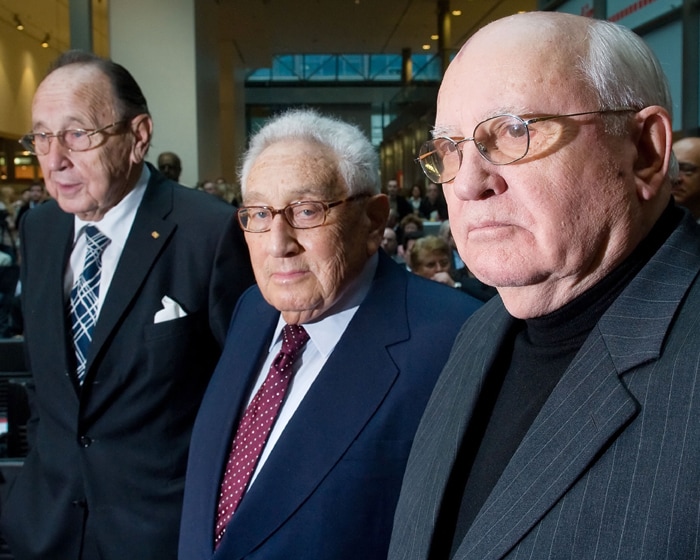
[215,70]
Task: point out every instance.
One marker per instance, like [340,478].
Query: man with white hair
[566,423]
[301,441]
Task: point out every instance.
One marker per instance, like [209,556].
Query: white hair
[358,164]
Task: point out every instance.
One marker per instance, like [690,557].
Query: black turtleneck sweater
[530,364]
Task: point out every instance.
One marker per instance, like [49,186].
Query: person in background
[169,164]
[35,196]
[566,423]
[416,198]
[430,257]
[213,188]
[433,206]
[446,233]
[390,245]
[397,202]
[686,189]
[128,283]
[316,475]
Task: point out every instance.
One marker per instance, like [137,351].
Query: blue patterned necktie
[83,297]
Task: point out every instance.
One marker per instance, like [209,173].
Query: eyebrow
[451,131]
[298,195]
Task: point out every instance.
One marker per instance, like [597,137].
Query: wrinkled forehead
[74,89]
[295,168]
[517,65]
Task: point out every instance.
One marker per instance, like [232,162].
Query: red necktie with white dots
[255,427]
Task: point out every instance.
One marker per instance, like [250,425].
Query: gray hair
[623,70]
[358,164]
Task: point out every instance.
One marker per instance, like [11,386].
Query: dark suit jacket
[329,488]
[107,462]
[611,466]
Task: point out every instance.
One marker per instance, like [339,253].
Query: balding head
[686,190]
[556,145]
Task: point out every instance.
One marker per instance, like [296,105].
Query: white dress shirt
[323,337]
[116,224]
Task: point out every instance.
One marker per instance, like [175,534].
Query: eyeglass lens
[500,140]
[302,215]
[76,140]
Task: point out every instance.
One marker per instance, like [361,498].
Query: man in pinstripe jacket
[566,423]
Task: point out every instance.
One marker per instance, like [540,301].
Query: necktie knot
[293,339]
[96,240]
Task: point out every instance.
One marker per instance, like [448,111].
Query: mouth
[287,276]
[486,226]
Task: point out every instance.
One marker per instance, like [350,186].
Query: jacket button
[85,441]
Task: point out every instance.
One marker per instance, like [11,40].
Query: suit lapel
[588,409]
[58,239]
[230,386]
[339,404]
[148,236]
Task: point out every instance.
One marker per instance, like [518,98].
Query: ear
[653,142]
[377,211]
[142,130]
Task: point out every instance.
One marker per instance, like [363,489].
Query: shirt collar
[117,222]
[326,332]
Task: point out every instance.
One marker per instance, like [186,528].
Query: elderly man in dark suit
[566,423]
[128,285]
[317,478]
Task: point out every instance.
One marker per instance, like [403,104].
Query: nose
[282,237]
[57,156]
[477,178]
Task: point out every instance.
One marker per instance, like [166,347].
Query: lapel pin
[155,234]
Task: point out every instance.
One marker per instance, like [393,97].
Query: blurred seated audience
[406,245]
[446,233]
[416,198]
[35,195]
[397,202]
[431,257]
[433,206]
[213,188]
[390,244]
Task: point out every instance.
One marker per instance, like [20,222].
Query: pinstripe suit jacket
[610,468]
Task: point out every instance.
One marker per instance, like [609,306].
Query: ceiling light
[426,47]
[18,23]
[434,37]
[45,42]
[456,12]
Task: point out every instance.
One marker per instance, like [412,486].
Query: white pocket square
[171,310]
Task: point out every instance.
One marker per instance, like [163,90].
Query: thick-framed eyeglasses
[500,140]
[305,214]
[74,139]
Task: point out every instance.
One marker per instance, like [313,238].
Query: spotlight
[45,42]
[18,23]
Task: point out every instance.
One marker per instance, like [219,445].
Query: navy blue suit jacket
[105,474]
[329,488]
[610,468]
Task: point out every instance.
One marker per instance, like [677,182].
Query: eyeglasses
[75,139]
[500,140]
[305,214]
